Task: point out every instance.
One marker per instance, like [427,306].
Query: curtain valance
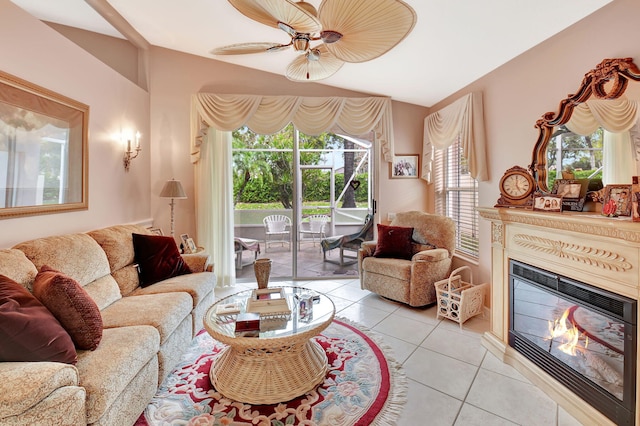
[311,115]
[614,115]
[465,118]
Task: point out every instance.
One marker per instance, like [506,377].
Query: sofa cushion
[394,241]
[71,305]
[117,243]
[78,256]
[107,371]
[198,286]
[31,383]
[165,312]
[158,258]
[15,265]
[28,331]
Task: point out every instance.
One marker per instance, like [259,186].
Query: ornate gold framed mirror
[601,98]
[43,150]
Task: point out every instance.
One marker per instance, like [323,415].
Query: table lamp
[173,189]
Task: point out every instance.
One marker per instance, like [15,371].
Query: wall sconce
[131,152]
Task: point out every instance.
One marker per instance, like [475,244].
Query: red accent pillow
[158,258]
[394,241]
[71,305]
[28,331]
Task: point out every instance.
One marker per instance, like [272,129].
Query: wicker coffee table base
[259,376]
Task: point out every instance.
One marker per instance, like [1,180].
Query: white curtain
[214,204]
[616,117]
[213,117]
[464,118]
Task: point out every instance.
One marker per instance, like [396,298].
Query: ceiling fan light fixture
[313,55]
[305,69]
[301,42]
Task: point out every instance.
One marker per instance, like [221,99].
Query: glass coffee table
[279,362]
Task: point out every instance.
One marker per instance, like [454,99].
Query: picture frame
[184,238]
[547,203]
[621,195]
[573,193]
[405,166]
[156,231]
[191,246]
[635,198]
[39,124]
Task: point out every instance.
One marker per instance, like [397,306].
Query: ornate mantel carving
[585,254]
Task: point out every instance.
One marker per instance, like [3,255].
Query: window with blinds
[457,196]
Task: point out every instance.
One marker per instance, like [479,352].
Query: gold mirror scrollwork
[608,80]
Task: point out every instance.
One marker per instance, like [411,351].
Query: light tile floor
[452,378]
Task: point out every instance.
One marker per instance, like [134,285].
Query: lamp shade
[173,189]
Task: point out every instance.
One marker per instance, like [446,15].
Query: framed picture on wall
[404,166]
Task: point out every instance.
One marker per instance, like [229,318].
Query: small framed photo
[635,198]
[572,191]
[547,203]
[184,238]
[156,231]
[190,247]
[405,166]
[621,196]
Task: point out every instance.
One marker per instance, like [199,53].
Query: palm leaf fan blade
[369,28]
[272,12]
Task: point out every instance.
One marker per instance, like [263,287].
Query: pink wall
[518,93]
[35,52]
[176,76]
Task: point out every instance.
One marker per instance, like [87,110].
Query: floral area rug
[364,385]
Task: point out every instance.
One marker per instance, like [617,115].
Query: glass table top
[302,319]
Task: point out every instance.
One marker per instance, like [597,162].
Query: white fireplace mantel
[601,251]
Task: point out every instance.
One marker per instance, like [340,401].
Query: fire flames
[568,334]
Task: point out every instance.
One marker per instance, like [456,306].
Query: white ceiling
[454,42]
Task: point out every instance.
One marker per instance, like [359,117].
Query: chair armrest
[431,255]
[197,262]
[368,248]
[24,384]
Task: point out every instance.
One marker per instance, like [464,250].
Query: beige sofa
[145,331]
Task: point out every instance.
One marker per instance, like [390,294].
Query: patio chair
[349,242]
[277,229]
[317,223]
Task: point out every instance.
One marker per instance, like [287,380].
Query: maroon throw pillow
[28,331]
[394,241]
[158,258]
[71,305]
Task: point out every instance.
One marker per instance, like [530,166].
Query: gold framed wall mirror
[43,150]
[597,127]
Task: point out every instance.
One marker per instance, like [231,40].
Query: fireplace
[583,336]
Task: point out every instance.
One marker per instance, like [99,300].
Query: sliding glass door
[291,191]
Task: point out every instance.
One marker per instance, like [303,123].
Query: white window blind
[456,195]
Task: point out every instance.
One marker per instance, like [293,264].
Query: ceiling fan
[339,31]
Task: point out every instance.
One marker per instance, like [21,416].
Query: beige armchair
[411,281]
